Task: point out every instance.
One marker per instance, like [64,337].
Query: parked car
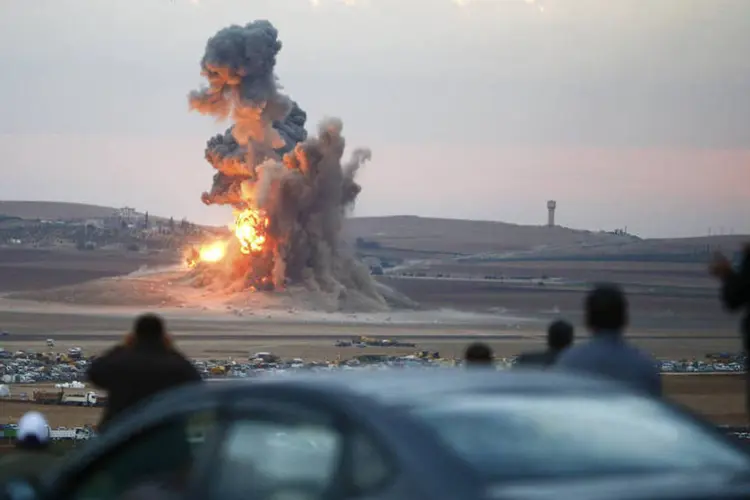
[445,434]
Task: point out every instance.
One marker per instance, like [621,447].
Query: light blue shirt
[609,355]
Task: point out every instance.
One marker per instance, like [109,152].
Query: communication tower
[551,206]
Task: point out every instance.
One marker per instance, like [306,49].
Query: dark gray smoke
[266,161]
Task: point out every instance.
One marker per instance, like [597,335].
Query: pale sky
[627,112]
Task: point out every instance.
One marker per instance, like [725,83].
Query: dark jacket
[537,359]
[609,355]
[134,373]
[735,294]
[25,462]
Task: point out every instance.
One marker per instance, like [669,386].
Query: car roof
[406,385]
[396,388]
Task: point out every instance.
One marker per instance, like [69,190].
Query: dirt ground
[213,336]
[23,269]
[720,398]
[57,416]
[674,310]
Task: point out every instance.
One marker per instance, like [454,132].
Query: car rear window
[554,436]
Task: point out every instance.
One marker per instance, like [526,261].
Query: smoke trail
[266,161]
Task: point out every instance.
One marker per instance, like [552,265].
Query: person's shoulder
[574,353]
[46,458]
[185,367]
[184,360]
[745,261]
[640,353]
[646,360]
[177,359]
[527,358]
[111,354]
[650,362]
[23,462]
[7,459]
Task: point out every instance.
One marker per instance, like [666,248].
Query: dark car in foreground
[404,435]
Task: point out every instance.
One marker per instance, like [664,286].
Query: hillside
[404,235]
[51,210]
[468,237]
[411,236]
[59,210]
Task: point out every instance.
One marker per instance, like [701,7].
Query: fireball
[213,252]
[250,228]
[210,252]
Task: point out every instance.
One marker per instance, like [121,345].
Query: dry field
[652,308]
[716,397]
[719,398]
[315,342]
[691,275]
[674,309]
[23,269]
[57,416]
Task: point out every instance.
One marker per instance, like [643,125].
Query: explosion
[290,193]
[250,229]
[212,252]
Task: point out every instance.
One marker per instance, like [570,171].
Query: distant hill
[468,236]
[52,210]
[489,240]
[406,235]
[58,210]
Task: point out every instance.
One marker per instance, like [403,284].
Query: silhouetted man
[144,365]
[559,338]
[479,355]
[608,354]
[735,295]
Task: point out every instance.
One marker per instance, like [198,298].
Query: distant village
[124,229]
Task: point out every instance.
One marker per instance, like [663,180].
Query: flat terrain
[57,416]
[221,335]
[717,397]
[510,318]
[647,274]
[675,311]
[24,269]
[720,398]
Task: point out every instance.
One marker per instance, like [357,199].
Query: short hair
[606,308]
[560,334]
[149,327]
[478,353]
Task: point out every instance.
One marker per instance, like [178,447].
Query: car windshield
[556,436]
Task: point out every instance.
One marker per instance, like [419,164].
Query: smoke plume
[266,162]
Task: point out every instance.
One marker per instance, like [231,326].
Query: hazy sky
[627,112]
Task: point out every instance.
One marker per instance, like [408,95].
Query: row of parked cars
[268,362]
[32,367]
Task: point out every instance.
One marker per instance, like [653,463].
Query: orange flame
[249,229]
[210,252]
[213,252]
